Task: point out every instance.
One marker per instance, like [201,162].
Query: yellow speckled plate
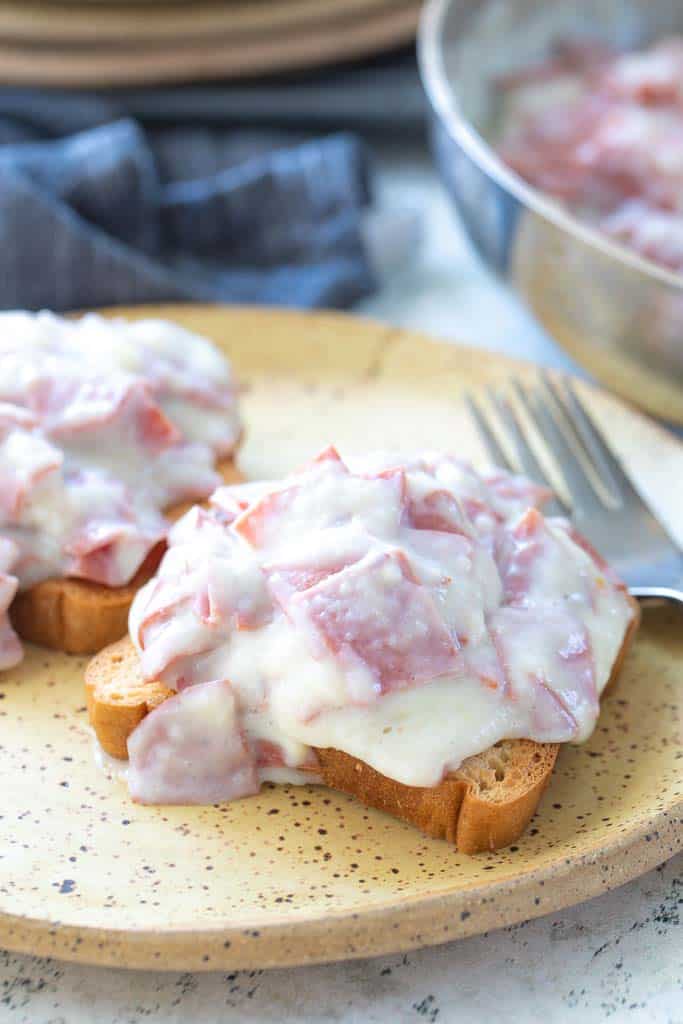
[304,874]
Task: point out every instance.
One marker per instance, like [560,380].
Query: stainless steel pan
[619,315]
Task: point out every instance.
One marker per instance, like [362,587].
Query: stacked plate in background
[90,43]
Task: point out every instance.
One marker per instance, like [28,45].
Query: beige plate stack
[82,43]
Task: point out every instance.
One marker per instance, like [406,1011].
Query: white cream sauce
[408,612]
[103,424]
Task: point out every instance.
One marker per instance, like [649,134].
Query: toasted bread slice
[79,617]
[485,805]
[117,696]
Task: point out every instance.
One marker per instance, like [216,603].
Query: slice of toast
[80,617]
[485,805]
[117,696]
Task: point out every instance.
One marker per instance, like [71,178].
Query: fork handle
[649,576]
[657,593]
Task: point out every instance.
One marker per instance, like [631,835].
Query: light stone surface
[619,957]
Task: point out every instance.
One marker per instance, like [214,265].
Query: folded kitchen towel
[115,215]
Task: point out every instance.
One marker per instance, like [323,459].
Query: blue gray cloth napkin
[115,214]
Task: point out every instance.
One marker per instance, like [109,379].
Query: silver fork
[606,509]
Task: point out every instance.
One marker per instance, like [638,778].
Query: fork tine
[577,429]
[596,445]
[525,453]
[496,453]
[584,497]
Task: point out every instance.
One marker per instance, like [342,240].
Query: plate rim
[25,24]
[210,56]
[349,935]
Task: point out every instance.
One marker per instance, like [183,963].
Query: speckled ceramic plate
[298,875]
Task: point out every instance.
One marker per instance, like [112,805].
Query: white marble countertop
[619,957]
